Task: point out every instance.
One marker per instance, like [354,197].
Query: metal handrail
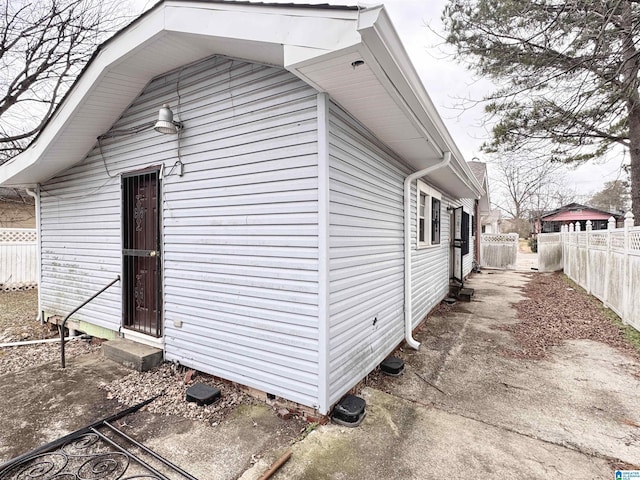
[64,322]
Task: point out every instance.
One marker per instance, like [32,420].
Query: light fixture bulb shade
[165,121]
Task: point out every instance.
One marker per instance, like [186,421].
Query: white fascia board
[276,25]
[136,37]
[311,32]
[381,39]
[303,10]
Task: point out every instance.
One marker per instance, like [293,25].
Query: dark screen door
[457,244]
[142,310]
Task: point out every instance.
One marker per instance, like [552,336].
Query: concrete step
[132,354]
[465,294]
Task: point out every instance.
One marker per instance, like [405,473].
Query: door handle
[153,253]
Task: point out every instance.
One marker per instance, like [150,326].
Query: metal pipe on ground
[37,342]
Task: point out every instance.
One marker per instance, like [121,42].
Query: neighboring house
[491,221]
[265,242]
[17,208]
[575,212]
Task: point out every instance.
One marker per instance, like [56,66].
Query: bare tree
[525,189]
[568,73]
[16,208]
[524,185]
[44,44]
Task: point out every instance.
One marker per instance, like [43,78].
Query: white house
[265,241]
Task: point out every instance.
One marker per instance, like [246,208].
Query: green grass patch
[630,334]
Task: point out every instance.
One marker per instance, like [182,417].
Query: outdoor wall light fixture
[165,123]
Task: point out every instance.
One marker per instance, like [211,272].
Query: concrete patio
[461,408]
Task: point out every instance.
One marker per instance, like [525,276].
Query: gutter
[408,330]
[36,195]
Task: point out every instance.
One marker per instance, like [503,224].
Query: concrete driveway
[572,415]
[461,409]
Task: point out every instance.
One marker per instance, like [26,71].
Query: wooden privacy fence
[18,258]
[606,263]
[498,250]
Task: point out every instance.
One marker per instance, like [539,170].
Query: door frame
[456,244]
[128,332]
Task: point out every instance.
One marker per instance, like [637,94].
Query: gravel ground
[555,311]
[172,381]
[18,311]
[14,359]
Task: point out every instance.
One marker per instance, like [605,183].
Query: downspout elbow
[408,313]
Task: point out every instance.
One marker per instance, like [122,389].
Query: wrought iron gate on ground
[98,452]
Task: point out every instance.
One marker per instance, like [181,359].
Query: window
[429,208]
[435,221]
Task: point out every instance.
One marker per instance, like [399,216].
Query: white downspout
[36,196]
[408,330]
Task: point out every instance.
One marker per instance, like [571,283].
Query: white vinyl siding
[365,255]
[430,267]
[80,238]
[240,234]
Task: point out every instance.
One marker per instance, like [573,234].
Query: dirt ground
[508,385]
[18,311]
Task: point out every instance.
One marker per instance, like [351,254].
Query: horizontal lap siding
[366,254]
[80,238]
[430,265]
[239,227]
[240,231]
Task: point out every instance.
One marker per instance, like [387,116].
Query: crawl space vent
[202,394]
[349,412]
[393,366]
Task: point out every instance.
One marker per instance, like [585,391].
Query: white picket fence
[606,263]
[18,258]
[498,250]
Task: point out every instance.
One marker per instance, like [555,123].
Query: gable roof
[318,43]
[479,170]
[577,211]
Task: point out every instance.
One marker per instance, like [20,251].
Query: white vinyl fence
[606,263]
[498,250]
[18,258]
[550,252]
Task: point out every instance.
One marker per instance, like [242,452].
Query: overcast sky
[448,83]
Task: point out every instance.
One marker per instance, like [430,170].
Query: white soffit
[317,44]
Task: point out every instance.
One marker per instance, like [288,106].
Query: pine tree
[568,75]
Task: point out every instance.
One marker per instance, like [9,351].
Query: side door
[458,244]
[142,285]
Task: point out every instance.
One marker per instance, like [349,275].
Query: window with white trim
[428,222]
